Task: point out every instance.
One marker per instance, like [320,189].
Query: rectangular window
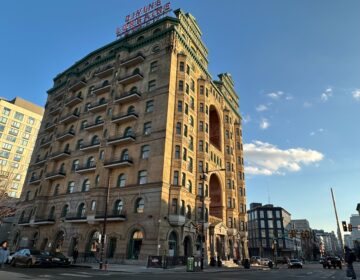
[24,142]
[7,146]
[269,214]
[186,109]
[192,103]
[192,85]
[15,165]
[147,128]
[187,88]
[229,202]
[176,178]
[4,154]
[201,166]
[13,131]
[262,223]
[182,66]
[178,128]
[26,135]
[270,223]
[3,120]
[152,85]
[174,206]
[3,162]
[19,116]
[185,130]
[15,124]
[184,154]
[206,128]
[142,177]
[278,224]
[6,111]
[201,108]
[180,106]
[190,165]
[145,151]
[31,121]
[201,126]
[11,138]
[28,129]
[187,69]
[177,152]
[17,158]
[149,106]
[201,146]
[181,85]
[201,90]
[261,214]
[153,66]
[200,189]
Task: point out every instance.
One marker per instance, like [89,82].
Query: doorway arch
[135,243]
[188,250]
[215,127]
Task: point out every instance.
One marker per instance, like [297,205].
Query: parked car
[255,260]
[9,258]
[295,263]
[30,257]
[58,259]
[264,261]
[332,262]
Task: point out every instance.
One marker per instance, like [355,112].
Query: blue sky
[296,66]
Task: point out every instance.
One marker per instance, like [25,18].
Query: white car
[264,261]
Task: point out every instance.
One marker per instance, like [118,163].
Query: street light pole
[103,236]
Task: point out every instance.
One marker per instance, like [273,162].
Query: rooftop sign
[143,17]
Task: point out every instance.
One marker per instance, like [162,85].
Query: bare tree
[7,207]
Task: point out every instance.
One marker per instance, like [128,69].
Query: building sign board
[143,17]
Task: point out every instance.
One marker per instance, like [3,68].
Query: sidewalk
[126,268]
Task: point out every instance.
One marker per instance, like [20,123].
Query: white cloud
[307,104]
[264,124]
[267,159]
[261,108]
[320,130]
[275,95]
[246,119]
[326,95]
[356,94]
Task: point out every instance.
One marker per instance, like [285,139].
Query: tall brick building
[142,118]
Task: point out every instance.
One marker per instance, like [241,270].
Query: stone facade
[140,122]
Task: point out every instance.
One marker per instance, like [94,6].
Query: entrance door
[187,247]
[135,245]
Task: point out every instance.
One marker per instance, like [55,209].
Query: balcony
[90,147]
[98,106]
[50,127]
[72,101]
[121,140]
[65,136]
[55,175]
[59,95]
[132,61]
[39,161]
[60,155]
[24,222]
[104,88]
[45,143]
[78,85]
[127,97]
[86,168]
[111,217]
[46,221]
[54,111]
[118,163]
[134,77]
[70,118]
[94,126]
[176,220]
[35,180]
[124,118]
[105,72]
[76,219]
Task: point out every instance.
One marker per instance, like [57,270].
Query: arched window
[215,128]
[75,165]
[97,180]
[134,89]
[121,181]
[131,109]
[189,186]
[99,119]
[105,134]
[118,207]
[86,185]
[67,147]
[188,212]
[56,189]
[90,162]
[71,187]
[95,140]
[64,211]
[102,100]
[81,211]
[125,155]
[191,121]
[136,71]
[128,132]
[83,124]
[52,213]
[139,205]
[72,130]
[93,205]
[105,83]
[173,244]
[62,168]
[182,208]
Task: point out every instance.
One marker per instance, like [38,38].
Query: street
[310,271]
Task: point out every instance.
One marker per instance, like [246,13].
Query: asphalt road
[309,272]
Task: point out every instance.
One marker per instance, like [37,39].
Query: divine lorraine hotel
[19,125]
[143,117]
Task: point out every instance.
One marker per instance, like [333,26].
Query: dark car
[332,262]
[58,259]
[30,257]
[294,263]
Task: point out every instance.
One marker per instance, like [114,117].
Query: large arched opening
[135,243]
[188,246]
[215,127]
[216,206]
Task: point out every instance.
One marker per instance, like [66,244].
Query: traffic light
[350,227]
[344,226]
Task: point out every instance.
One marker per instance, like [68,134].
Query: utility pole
[103,236]
[337,221]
